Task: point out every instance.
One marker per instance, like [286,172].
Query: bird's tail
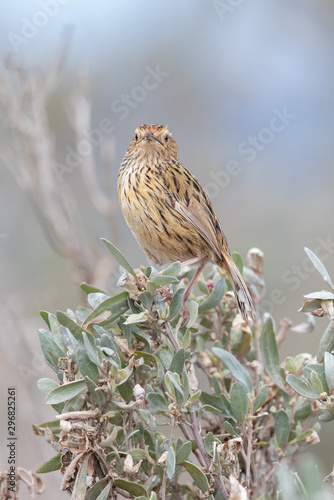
[241,292]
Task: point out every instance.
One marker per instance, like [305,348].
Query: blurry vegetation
[30,156]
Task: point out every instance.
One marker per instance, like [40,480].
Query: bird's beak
[149,136]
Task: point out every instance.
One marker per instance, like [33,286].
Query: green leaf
[86,367]
[178,361]
[270,355]
[71,343]
[208,442]
[260,398]
[171,463]
[233,431]
[107,443]
[192,307]
[202,286]
[197,475]
[320,371]
[45,317]
[50,349]
[149,360]
[326,343]
[211,409]
[216,402]
[235,367]
[94,492]
[132,488]
[139,454]
[173,379]
[125,388]
[282,427]
[173,270]
[97,396]
[303,412]
[104,495]
[46,385]
[146,300]
[150,271]
[215,385]
[301,488]
[162,280]
[176,304]
[108,340]
[64,392]
[91,349]
[165,357]
[301,387]
[226,404]
[194,396]
[56,332]
[149,420]
[82,313]
[151,288]
[115,304]
[157,401]
[50,465]
[329,370]
[80,485]
[319,267]
[75,329]
[95,299]
[90,288]
[54,425]
[326,416]
[186,340]
[119,257]
[239,401]
[184,452]
[214,298]
[316,382]
[136,318]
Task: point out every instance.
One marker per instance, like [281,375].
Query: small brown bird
[170,214]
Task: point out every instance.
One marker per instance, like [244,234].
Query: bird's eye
[136,137]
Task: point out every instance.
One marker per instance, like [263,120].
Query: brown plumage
[168,211]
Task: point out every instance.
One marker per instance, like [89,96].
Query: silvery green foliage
[155,403]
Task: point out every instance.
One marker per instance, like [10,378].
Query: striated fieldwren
[170,214]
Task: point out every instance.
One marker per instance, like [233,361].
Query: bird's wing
[190,201]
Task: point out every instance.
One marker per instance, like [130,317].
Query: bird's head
[153,141]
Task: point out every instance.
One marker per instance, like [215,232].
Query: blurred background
[246,88]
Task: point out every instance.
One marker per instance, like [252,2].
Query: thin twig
[249,453]
[164,484]
[171,336]
[188,436]
[198,438]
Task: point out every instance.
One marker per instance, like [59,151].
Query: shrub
[154,403]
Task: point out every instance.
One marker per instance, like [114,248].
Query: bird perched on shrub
[170,214]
